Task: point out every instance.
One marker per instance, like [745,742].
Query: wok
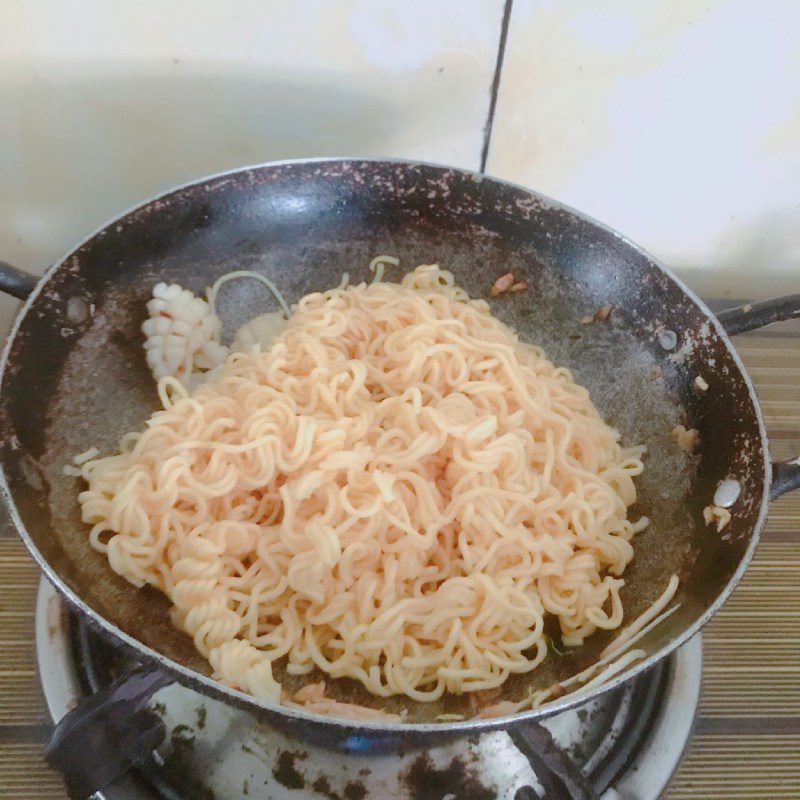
[74,375]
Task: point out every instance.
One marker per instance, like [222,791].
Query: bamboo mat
[747,737]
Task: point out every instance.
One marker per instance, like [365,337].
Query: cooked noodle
[378,266]
[256,276]
[615,658]
[630,632]
[396,491]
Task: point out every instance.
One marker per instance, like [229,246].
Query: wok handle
[559,775]
[749,317]
[785,477]
[107,733]
[15,282]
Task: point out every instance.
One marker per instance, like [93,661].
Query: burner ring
[633,738]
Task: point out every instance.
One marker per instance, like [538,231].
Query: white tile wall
[675,121]
[105,103]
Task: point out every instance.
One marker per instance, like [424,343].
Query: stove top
[627,743]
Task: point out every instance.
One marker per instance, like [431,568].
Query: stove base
[627,743]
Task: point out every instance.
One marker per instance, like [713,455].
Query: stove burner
[626,743]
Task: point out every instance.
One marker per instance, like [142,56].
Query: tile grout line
[494,90]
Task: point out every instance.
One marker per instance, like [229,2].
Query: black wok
[74,374]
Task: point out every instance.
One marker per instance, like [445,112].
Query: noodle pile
[396,491]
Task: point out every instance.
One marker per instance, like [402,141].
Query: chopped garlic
[601,315]
[685,439]
[502,284]
[716,514]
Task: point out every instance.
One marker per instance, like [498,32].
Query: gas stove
[627,743]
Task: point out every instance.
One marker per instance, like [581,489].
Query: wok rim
[211,686]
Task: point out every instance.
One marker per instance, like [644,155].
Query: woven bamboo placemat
[747,738]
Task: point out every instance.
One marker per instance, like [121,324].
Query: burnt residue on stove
[355,790]
[182,733]
[285,771]
[178,761]
[201,717]
[426,781]
[323,786]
